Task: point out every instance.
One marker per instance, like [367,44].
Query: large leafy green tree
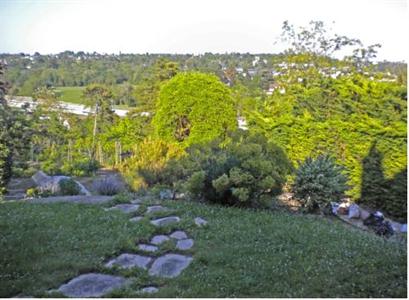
[194,108]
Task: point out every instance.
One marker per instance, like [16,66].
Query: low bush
[68,187]
[146,166]
[318,182]
[247,171]
[108,186]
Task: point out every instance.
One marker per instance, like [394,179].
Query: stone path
[169,265]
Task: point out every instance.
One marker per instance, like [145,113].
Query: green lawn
[71,94]
[242,253]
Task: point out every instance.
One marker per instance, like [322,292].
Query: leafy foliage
[194,108]
[318,182]
[247,171]
[69,187]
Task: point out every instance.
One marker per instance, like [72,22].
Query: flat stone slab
[126,208]
[200,221]
[92,285]
[179,235]
[128,261]
[169,265]
[159,239]
[147,248]
[136,219]
[155,208]
[165,221]
[184,244]
[149,290]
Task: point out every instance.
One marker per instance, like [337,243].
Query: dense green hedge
[344,117]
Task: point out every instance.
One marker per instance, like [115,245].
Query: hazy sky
[192,26]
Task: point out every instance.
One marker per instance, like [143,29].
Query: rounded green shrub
[69,187]
[245,172]
[318,182]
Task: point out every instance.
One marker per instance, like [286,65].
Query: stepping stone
[150,290]
[128,261]
[200,222]
[165,221]
[156,208]
[159,239]
[136,219]
[126,208]
[92,285]
[184,244]
[179,235]
[169,265]
[147,248]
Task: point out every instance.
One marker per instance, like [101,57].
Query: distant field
[72,94]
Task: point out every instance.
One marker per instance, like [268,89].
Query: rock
[200,222]
[126,208]
[353,211]
[149,290]
[40,178]
[136,201]
[147,248]
[334,207]
[395,226]
[128,261]
[184,244]
[364,214]
[165,221]
[92,285]
[166,194]
[51,183]
[169,265]
[136,219]
[343,208]
[179,235]
[159,239]
[156,208]
[404,228]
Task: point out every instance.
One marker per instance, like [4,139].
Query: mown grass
[241,253]
[71,94]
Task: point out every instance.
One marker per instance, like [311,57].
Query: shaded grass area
[242,253]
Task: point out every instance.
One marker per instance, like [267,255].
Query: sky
[193,26]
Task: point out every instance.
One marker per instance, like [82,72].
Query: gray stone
[136,201]
[92,285]
[150,290]
[126,208]
[166,194]
[156,208]
[353,211]
[184,244]
[159,239]
[404,228]
[179,235]
[169,265]
[147,248]
[165,221]
[364,214]
[128,261]
[136,219]
[51,183]
[200,222]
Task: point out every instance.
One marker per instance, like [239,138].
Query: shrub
[69,187]
[32,193]
[245,172]
[108,186]
[146,166]
[85,167]
[318,182]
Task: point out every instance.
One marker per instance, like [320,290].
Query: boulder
[51,183]
[354,211]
